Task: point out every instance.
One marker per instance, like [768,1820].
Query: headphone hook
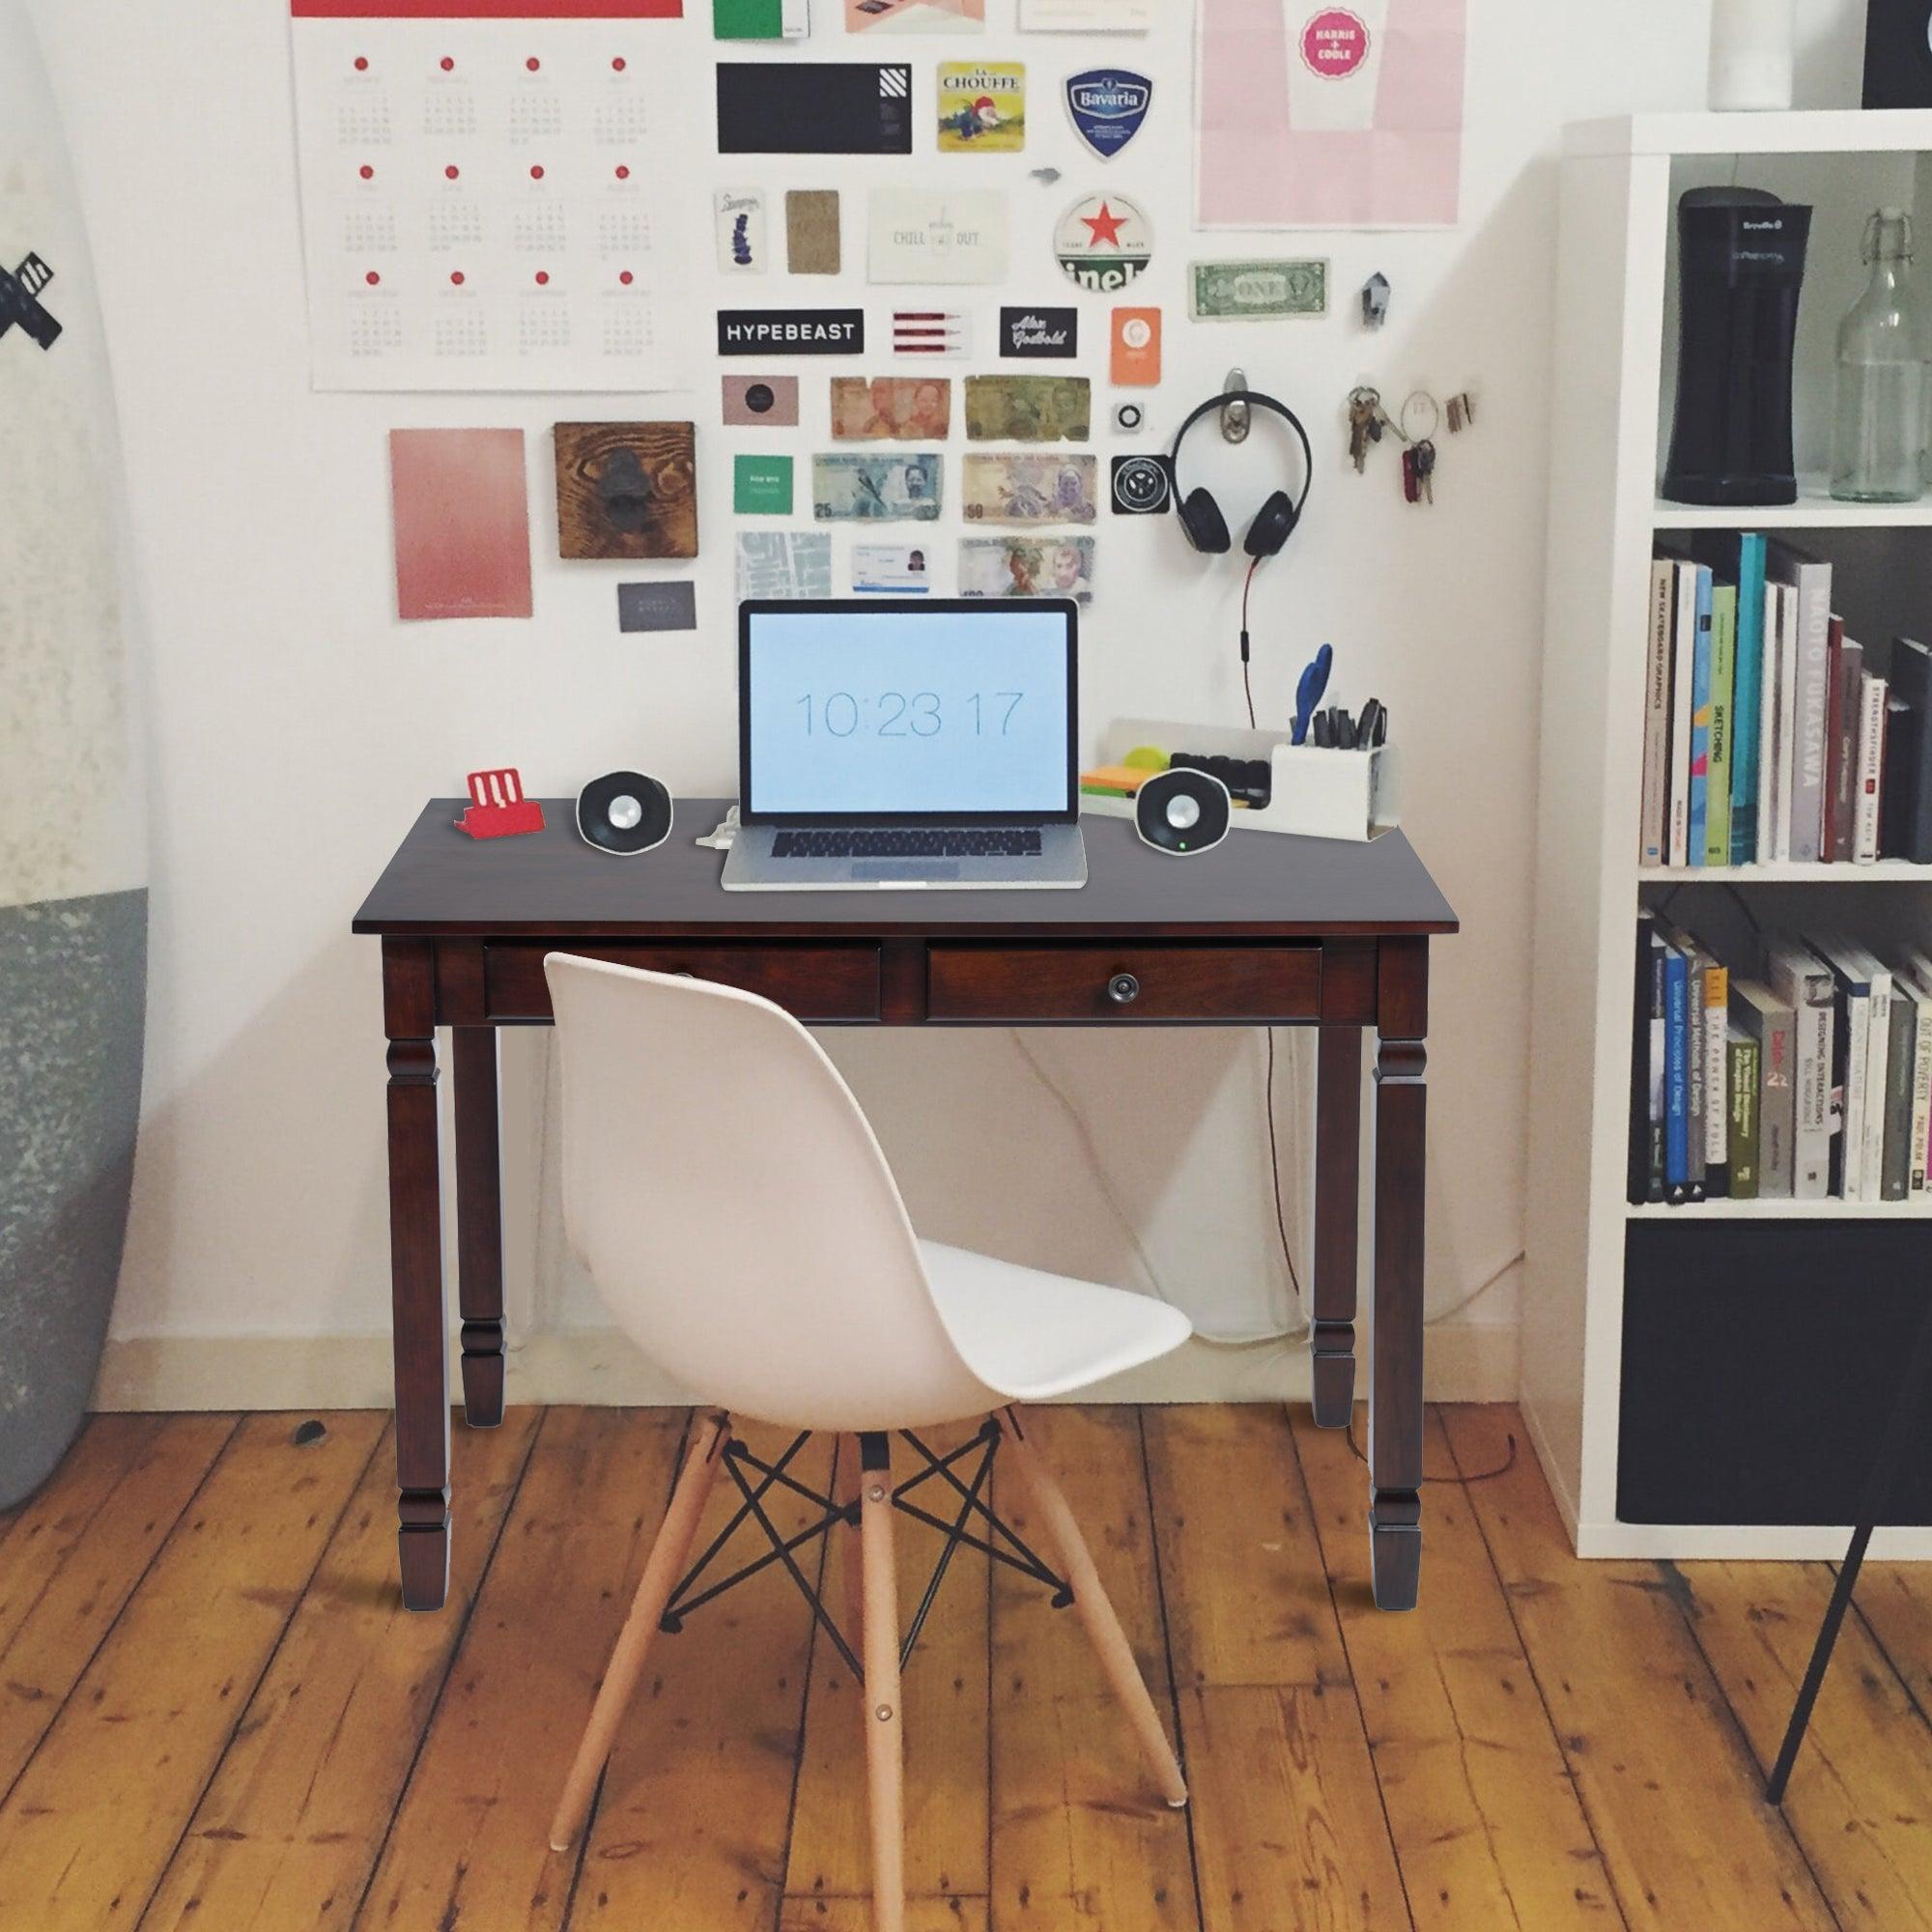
[1236,418]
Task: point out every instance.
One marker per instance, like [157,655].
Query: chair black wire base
[1000,1542]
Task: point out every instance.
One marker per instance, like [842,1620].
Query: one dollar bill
[1256,291]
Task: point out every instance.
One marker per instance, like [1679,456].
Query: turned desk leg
[1394,1393]
[479,1225]
[1338,1149]
[416,1266]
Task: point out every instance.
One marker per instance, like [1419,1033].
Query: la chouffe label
[982,108]
[1044,332]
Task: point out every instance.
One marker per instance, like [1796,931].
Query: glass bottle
[1876,431]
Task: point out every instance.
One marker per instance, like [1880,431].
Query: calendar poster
[490,201]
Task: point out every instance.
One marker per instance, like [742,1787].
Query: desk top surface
[1253,885]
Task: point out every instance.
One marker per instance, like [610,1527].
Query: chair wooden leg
[662,1570]
[849,1547]
[885,1741]
[1061,1535]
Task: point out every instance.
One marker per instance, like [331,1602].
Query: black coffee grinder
[1741,256]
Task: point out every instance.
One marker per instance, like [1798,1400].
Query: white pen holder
[1316,792]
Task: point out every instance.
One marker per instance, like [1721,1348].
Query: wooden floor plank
[1081,1836]
[692,1822]
[1288,1823]
[1229,1504]
[468,1850]
[101,1807]
[1484,1820]
[853,1914]
[945,1698]
[1895,1601]
[1666,1783]
[38,1535]
[1861,1797]
[288,1829]
[76,1550]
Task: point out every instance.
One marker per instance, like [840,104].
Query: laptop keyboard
[925,842]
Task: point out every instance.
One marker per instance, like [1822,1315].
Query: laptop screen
[907,711]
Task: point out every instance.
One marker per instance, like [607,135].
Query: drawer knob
[1123,989]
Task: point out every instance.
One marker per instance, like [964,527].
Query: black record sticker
[1143,486]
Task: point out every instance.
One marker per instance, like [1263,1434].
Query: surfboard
[73,902]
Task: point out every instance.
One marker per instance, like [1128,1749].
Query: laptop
[899,742]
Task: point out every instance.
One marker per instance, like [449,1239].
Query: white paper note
[953,237]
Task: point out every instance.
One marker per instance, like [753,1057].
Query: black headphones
[1201,518]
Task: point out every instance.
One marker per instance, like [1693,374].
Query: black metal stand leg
[1912,1391]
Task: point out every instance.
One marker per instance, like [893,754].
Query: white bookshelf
[1815,510]
[1615,349]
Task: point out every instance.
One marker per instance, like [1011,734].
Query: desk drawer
[811,982]
[1124,983]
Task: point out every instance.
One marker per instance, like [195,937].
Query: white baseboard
[1466,1363]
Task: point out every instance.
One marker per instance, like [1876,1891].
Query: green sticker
[762,486]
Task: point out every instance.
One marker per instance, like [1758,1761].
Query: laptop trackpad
[903,869]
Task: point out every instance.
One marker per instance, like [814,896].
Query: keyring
[1403,429]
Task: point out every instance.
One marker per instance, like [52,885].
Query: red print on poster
[463,523]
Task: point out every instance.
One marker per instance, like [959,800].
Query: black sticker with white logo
[20,301]
[1143,486]
[1047,333]
[791,331]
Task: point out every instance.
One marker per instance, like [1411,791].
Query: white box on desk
[1314,792]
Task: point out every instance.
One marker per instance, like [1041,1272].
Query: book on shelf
[1842,769]
[1762,1016]
[1685,628]
[1809,579]
[1801,1072]
[1804,984]
[1647,1065]
[1723,697]
[1742,1115]
[1868,808]
[1653,850]
[1787,719]
[1770,733]
[1906,827]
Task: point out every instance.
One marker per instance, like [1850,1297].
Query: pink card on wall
[1313,115]
[463,523]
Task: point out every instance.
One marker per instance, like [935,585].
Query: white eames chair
[730,1199]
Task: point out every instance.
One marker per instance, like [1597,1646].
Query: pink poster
[1319,115]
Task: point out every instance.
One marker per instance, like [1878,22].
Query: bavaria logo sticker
[1108,105]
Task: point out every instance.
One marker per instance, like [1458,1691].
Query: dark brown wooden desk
[1264,931]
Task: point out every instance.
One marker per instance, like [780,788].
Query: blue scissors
[1308,693]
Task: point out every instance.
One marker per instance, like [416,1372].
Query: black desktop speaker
[623,814]
[1182,811]
[1899,53]
[1741,253]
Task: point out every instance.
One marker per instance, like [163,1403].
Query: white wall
[297,728]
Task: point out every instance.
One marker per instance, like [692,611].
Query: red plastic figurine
[497,807]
